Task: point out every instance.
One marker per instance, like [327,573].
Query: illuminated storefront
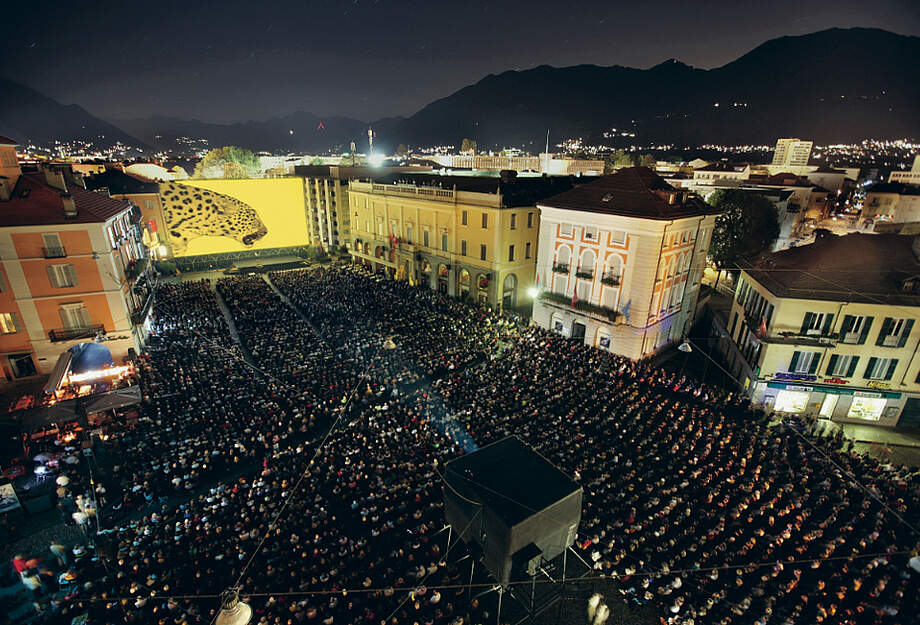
[837,403]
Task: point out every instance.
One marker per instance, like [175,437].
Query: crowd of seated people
[693,504]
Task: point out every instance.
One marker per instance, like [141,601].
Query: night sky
[233,61]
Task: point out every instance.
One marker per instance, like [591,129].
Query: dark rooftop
[865,268]
[7,141]
[632,192]
[894,187]
[511,478]
[515,191]
[34,203]
[119,183]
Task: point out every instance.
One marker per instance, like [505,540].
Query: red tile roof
[631,192]
[34,203]
[7,141]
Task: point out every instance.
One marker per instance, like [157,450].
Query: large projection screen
[218,216]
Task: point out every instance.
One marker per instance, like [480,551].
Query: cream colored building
[889,206]
[828,330]
[620,261]
[471,237]
[911,176]
[792,152]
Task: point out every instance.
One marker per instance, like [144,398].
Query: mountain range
[833,86]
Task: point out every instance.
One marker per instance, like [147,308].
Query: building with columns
[69,270]
[620,260]
[467,236]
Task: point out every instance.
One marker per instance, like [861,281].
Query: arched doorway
[509,292]
[464,283]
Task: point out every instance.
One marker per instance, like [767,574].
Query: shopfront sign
[835,381]
[801,377]
[877,384]
[834,390]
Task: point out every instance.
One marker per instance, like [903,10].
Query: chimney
[54,178]
[70,206]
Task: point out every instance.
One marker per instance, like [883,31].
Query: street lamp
[533,292]
[232,610]
[685,347]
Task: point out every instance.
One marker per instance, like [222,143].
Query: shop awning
[90,357]
[37,418]
[111,400]
[60,370]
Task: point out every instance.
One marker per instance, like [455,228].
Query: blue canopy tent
[90,357]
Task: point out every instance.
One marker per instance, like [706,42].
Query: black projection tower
[512,505]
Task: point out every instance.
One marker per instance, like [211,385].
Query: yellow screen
[216,216]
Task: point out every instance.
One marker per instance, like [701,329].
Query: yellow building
[473,237]
[828,330]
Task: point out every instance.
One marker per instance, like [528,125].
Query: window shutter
[828,322]
[891,367]
[794,362]
[885,331]
[66,318]
[72,275]
[51,275]
[870,367]
[831,364]
[17,322]
[852,370]
[867,324]
[807,323]
[848,322]
[906,332]
[815,359]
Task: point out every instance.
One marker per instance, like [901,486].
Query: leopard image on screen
[192,212]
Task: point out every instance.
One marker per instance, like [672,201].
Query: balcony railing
[610,278]
[54,252]
[69,334]
[587,274]
[560,267]
[140,314]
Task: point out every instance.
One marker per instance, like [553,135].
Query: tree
[401,149]
[747,225]
[620,158]
[647,160]
[467,146]
[317,160]
[228,162]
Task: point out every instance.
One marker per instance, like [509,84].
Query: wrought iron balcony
[610,278]
[560,267]
[54,252]
[69,334]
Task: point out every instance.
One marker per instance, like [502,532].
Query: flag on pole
[574,296]
[538,280]
[762,328]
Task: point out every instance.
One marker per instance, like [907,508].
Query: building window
[842,366]
[510,253]
[409,234]
[804,362]
[462,248]
[565,230]
[513,221]
[527,250]
[817,324]
[464,218]
[425,238]
[482,252]
[485,220]
[530,220]
[881,368]
[855,329]
[591,233]
[618,236]
[75,316]
[62,276]
[7,323]
[894,332]
[52,245]
[443,241]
